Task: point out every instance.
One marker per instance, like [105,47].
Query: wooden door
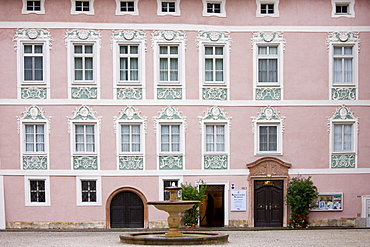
[268,203]
[127,211]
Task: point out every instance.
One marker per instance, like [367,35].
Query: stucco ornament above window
[268,37]
[130,113]
[33,113]
[128,36]
[340,114]
[82,35]
[214,113]
[343,37]
[170,113]
[169,35]
[32,34]
[213,36]
[268,113]
[83,113]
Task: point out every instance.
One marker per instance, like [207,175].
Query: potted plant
[192,193]
[300,196]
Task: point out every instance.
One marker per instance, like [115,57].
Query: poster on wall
[328,202]
[238,200]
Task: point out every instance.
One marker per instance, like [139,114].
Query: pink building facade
[106,102]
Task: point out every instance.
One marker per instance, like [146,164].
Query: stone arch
[126,189]
[267,168]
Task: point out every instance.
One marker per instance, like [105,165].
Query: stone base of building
[343,222]
[56,225]
[238,223]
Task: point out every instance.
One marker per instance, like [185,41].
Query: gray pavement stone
[276,238]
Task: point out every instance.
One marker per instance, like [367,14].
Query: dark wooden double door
[127,211]
[268,203]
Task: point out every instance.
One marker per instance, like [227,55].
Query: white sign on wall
[238,200]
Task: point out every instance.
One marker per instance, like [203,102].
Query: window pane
[219,50]
[134,49]
[208,50]
[78,49]
[27,48]
[123,49]
[174,50]
[163,50]
[88,49]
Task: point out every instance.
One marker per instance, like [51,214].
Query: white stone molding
[214,37]
[34,35]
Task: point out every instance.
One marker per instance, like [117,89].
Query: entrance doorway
[213,208]
[366,209]
[268,203]
[126,211]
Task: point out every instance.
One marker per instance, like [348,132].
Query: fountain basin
[175,206]
[188,238]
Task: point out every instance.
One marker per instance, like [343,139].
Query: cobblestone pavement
[340,237]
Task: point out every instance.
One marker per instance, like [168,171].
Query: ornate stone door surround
[267,168]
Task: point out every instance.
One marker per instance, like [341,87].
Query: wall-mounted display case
[328,202]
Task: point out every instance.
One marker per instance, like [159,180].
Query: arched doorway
[268,180]
[127,208]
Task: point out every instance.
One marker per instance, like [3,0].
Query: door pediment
[269,167]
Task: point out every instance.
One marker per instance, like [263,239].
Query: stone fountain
[174,237]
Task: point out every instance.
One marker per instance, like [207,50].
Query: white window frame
[354,57]
[354,131]
[118,8]
[222,8]
[268,56]
[75,12]
[181,136]
[141,76]
[79,180]
[177,8]
[279,138]
[226,143]
[27,190]
[33,55]
[141,127]
[83,55]
[24,146]
[40,12]
[349,3]
[276,8]
[226,66]
[96,139]
[161,180]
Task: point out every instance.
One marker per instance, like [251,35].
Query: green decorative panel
[215,162]
[343,161]
[84,92]
[171,162]
[343,93]
[130,93]
[33,93]
[39,162]
[131,162]
[85,163]
[268,93]
[169,93]
[214,93]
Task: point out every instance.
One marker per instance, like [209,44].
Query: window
[127,7]
[168,183]
[82,7]
[128,63]
[33,63]
[35,7]
[267,8]
[168,7]
[83,62]
[215,138]
[37,191]
[214,64]
[170,138]
[268,64]
[169,64]
[130,138]
[34,138]
[267,138]
[343,8]
[85,138]
[88,191]
[214,8]
[343,137]
[343,64]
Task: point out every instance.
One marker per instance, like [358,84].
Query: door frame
[267,168]
[126,189]
[364,198]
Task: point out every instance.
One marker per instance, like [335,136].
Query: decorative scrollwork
[170,162]
[268,93]
[216,162]
[343,161]
[343,93]
[131,162]
[215,93]
[85,163]
[169,93]
[31,162]
[84,92]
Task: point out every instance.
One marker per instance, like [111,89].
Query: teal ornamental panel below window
[131,162]
[84,92]
[31,162]
[130,93]
[85,163]
[33,93]
[343,93]
[216,162]
[268,93]
[343,161]
[171,162]
[169,93]
[214,93]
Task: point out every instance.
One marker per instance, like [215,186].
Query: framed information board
[328,202]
